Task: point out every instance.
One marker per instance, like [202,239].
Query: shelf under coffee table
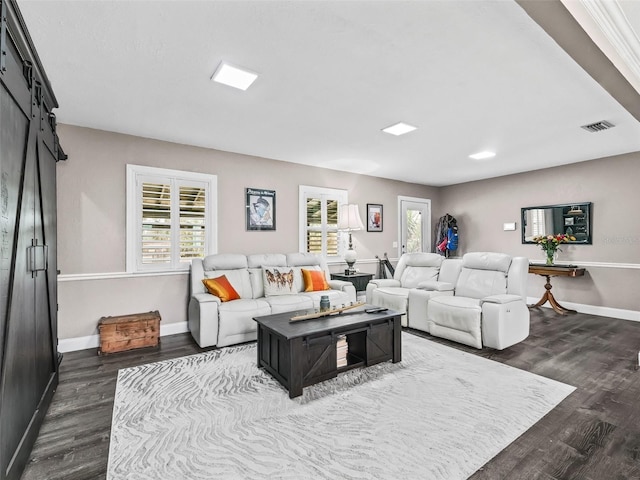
[302,353]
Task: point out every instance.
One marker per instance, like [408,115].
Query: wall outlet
[509,226]
[394,245]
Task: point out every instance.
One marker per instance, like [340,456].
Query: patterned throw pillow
[221,288]
[280,281]
[314,280]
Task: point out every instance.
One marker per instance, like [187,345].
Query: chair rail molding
[75,277]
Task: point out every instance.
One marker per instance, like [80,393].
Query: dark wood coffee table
[302,353]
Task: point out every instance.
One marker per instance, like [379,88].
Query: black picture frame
[260,206]
[374,217]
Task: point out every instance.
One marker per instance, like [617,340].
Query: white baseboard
[93,341]
[173,328]
[78,343]
[620,313]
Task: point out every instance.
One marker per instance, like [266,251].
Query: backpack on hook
[452,238]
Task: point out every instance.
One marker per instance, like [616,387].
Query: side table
[359,280]
[549,271]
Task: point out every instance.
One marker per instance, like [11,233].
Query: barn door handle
[38,256]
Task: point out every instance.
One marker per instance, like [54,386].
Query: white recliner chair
[488,307]
[412,269]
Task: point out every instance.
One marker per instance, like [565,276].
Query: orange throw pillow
[220,287]
[314,280]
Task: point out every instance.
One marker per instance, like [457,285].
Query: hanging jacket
[440,233]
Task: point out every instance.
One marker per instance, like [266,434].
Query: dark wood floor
[594,434]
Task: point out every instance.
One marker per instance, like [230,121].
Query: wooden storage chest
[127,332]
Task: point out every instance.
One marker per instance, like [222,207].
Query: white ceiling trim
[612,21]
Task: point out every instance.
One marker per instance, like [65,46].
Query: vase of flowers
[550,244]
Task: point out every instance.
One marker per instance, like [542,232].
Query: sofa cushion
[480,283]
[224,261]
[487,261]
[257,282]
[239,279]
[436,286]
[256,262]
[458,302]
[412,276]
[301,259]
[455,318]
[420,259]
[221,288]
[399,292]
[236,318]
[289,303]
[337,298]
[259,260]
[314,280]
[394,298]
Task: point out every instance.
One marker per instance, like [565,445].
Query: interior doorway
[414,225]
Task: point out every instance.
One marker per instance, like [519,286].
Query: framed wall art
[261,209]
[374,217]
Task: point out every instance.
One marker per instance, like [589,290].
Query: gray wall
[91,222]
[91,219]
[612,261]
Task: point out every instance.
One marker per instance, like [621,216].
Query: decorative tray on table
[326,313]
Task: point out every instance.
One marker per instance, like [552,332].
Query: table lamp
[349,221]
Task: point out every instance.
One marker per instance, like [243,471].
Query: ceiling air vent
[598,126]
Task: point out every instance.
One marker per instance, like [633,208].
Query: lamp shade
[349,219]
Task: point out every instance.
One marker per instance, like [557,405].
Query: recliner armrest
[344,286]
[377,283]
[435,285]
[203,318]
[385,282]
[502,298]
[206,298]
[338,284]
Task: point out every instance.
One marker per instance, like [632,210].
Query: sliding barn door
[28,272]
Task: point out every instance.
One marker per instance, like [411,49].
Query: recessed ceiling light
[234,76]
[482,155]
[399,128]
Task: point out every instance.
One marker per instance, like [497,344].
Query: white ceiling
[471,75]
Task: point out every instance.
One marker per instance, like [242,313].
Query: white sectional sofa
[214,322]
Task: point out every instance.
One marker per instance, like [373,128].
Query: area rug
[439,414]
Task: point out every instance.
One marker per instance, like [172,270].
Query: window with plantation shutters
[192,222]
[319,220]
[169,218]
[156,223]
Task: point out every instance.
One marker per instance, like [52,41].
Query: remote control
[376,310]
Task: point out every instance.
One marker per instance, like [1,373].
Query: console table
[549,271]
